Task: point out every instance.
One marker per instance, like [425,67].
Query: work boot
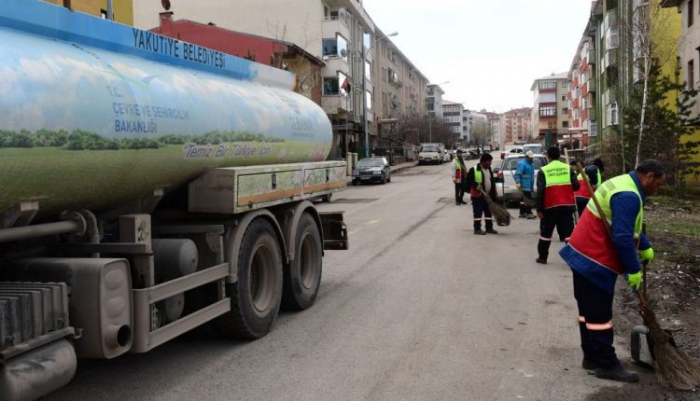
[522,216]
[530,216]
[617,373]
[479,232]
[588,364]
[541,261]
[491,231]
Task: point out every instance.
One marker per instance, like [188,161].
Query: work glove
[478,188]
[518,187]
[647,254]
[634,280]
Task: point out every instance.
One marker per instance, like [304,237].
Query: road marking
[369,223]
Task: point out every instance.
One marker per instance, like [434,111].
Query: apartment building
[689,49]
[517,126]
[582,94]
[496,127]
[549,126]
[472,119]
[396,84]
[453,116]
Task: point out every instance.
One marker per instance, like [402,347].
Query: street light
[430,120]
[364,87]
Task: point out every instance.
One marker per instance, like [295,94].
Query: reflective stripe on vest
[559,191]
[590,237]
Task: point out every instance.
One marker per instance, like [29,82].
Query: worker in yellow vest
[596,257]
[556,183]
[481,180]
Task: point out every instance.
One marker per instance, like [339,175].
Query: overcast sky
[490,51]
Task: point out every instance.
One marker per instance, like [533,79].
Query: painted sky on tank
[57,85]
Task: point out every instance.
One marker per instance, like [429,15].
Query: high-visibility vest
[559,191]
[479,178]
[583,191]
[458,169]
[590,236]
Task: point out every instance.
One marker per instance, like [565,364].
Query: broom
[499,212]
[672,365]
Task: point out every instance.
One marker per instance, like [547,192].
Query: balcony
[592,82]
[333,26]
[336,104]
[335,64]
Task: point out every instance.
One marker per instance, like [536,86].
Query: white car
[505,182]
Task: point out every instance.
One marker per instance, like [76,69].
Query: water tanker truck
[147,186]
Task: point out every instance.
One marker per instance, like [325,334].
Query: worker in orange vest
[459,177]
[556,183]
[593,172]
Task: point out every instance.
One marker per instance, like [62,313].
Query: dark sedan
[371,169]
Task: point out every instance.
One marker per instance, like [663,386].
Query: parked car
[513,150]
[371,169]
[505,183]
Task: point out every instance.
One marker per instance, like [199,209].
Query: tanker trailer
[147,186]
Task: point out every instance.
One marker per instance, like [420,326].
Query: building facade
[517,126]
[453,116]
[549,126]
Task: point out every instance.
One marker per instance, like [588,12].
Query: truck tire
[303,278]
[256,296]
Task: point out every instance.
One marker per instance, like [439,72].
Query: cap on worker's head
[529,154]
[459,151]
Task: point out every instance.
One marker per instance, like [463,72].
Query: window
[545,85]
[612,113]
[563,98]
[564,84]
[690,12]
[548,111]
[691,74]
[337,47]
[368,70]
[565,124]
[564,110]
[336,86]
[368,99]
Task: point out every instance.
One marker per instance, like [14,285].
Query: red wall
[230,42]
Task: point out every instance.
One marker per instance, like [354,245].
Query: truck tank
[107,114]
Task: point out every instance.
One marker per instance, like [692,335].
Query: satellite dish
[166,4]
[343,52]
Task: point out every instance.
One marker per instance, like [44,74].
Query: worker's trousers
[581,204]
[481,208]
[561,217]
[595,322]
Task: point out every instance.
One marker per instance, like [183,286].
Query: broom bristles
[499,212]
[672,365]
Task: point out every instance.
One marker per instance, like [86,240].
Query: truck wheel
[256,297]
[303,278]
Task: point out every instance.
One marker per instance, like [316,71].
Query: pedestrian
[556,183]
[459,177]
[593,172]
[596,258]
[480,178]
[524,181]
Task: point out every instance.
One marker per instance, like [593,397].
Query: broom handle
[642,301]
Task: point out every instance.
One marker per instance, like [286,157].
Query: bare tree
[480,135]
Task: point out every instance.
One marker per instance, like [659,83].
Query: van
[431,153]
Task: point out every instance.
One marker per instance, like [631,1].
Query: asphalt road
[418,309]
